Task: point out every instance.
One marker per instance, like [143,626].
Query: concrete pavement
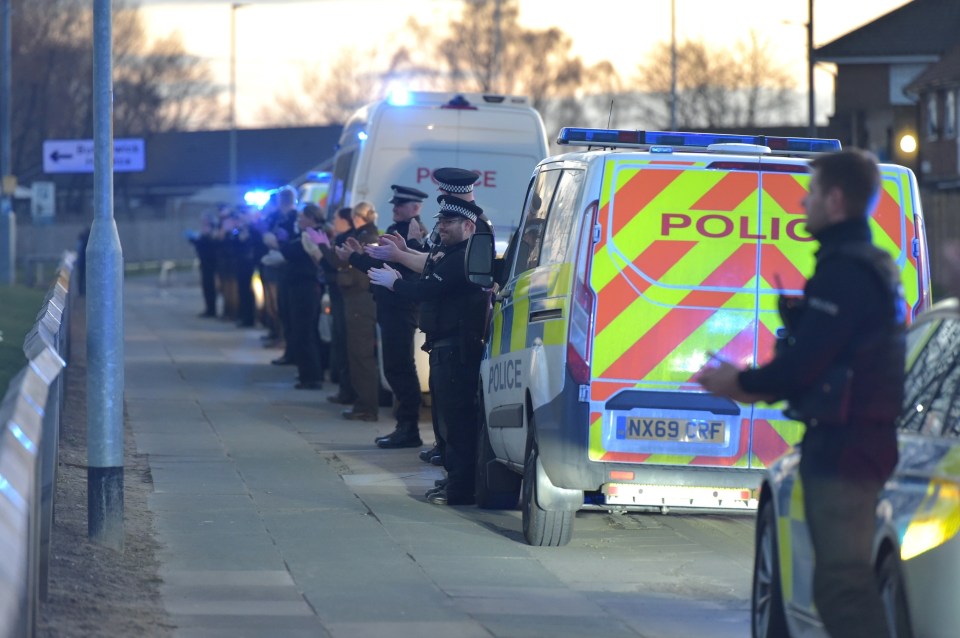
[278,518]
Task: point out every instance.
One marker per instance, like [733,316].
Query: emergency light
[665,141]
[258,198]
[399,97]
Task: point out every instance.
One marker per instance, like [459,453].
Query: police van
[635,258]
[405,137]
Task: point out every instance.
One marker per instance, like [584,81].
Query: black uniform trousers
[339,362]
[400,368]
[304,298]
[454,378]
[247,302]
[208,283]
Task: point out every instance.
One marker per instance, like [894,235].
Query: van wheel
[542,528]
[890,584]
[498,487]
[767,619]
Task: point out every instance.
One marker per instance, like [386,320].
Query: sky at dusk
[277,40]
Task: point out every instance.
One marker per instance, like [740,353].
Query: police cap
[455,180]
[455,207]
[404,194]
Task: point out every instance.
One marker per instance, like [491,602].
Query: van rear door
[675,274]
[502,145]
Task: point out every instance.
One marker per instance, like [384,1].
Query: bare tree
[350,83]
[156,87]
[717,87]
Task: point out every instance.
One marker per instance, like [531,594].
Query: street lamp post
[233,91]
[8,226]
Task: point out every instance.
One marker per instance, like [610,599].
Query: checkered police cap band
[455,188]
[456,209]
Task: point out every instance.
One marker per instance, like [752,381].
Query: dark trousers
[284,314]
[247,305]
[400,369]
[453,391]
[841,518]
[208,284]
[304,316]
[339,361]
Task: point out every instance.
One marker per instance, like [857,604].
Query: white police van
[405,137]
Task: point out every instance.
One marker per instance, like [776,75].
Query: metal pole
[8,221]
[673,65]
[104,310]
[811,103]
[497,44]
[233,93]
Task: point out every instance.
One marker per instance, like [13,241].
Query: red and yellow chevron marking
[675,272]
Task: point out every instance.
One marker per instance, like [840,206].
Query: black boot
[403,436]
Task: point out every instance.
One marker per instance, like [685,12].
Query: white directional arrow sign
[76,156]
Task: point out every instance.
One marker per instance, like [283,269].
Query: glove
[385,277]
[272,258]
[318,238]
[310,247]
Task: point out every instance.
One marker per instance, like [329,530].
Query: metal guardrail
[29,431]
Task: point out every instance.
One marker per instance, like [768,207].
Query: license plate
[675,430]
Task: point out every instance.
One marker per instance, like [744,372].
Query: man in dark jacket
[452,314]
[397,318]
[841,371]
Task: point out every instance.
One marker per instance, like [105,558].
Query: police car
[634,259]
[916,548]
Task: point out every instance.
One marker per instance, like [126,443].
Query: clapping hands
[388,249]
[385,276]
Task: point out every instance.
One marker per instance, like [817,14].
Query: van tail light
[582,303]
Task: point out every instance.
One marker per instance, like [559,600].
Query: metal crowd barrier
[29,431]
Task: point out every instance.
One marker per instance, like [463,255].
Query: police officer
[397,318]
[841,370]
[452,313]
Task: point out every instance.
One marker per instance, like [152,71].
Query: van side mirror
[478,260]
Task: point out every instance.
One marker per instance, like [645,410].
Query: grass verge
[19,307]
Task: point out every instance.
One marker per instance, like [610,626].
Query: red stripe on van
[774,264]
[728,193]
[654,262]
[638,192]
[768,445]
[678,324]
[887,214]
[786,191]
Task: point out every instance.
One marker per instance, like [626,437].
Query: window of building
[950,114]
[933,121]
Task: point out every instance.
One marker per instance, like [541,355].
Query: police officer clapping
[452,314]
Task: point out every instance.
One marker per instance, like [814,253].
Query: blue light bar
[362,136]
[399,97]
[258,198]
[613,137]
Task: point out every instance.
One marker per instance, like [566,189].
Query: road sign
[76,156]
[42,201]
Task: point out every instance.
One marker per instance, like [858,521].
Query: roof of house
[945,73]
[919,30]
